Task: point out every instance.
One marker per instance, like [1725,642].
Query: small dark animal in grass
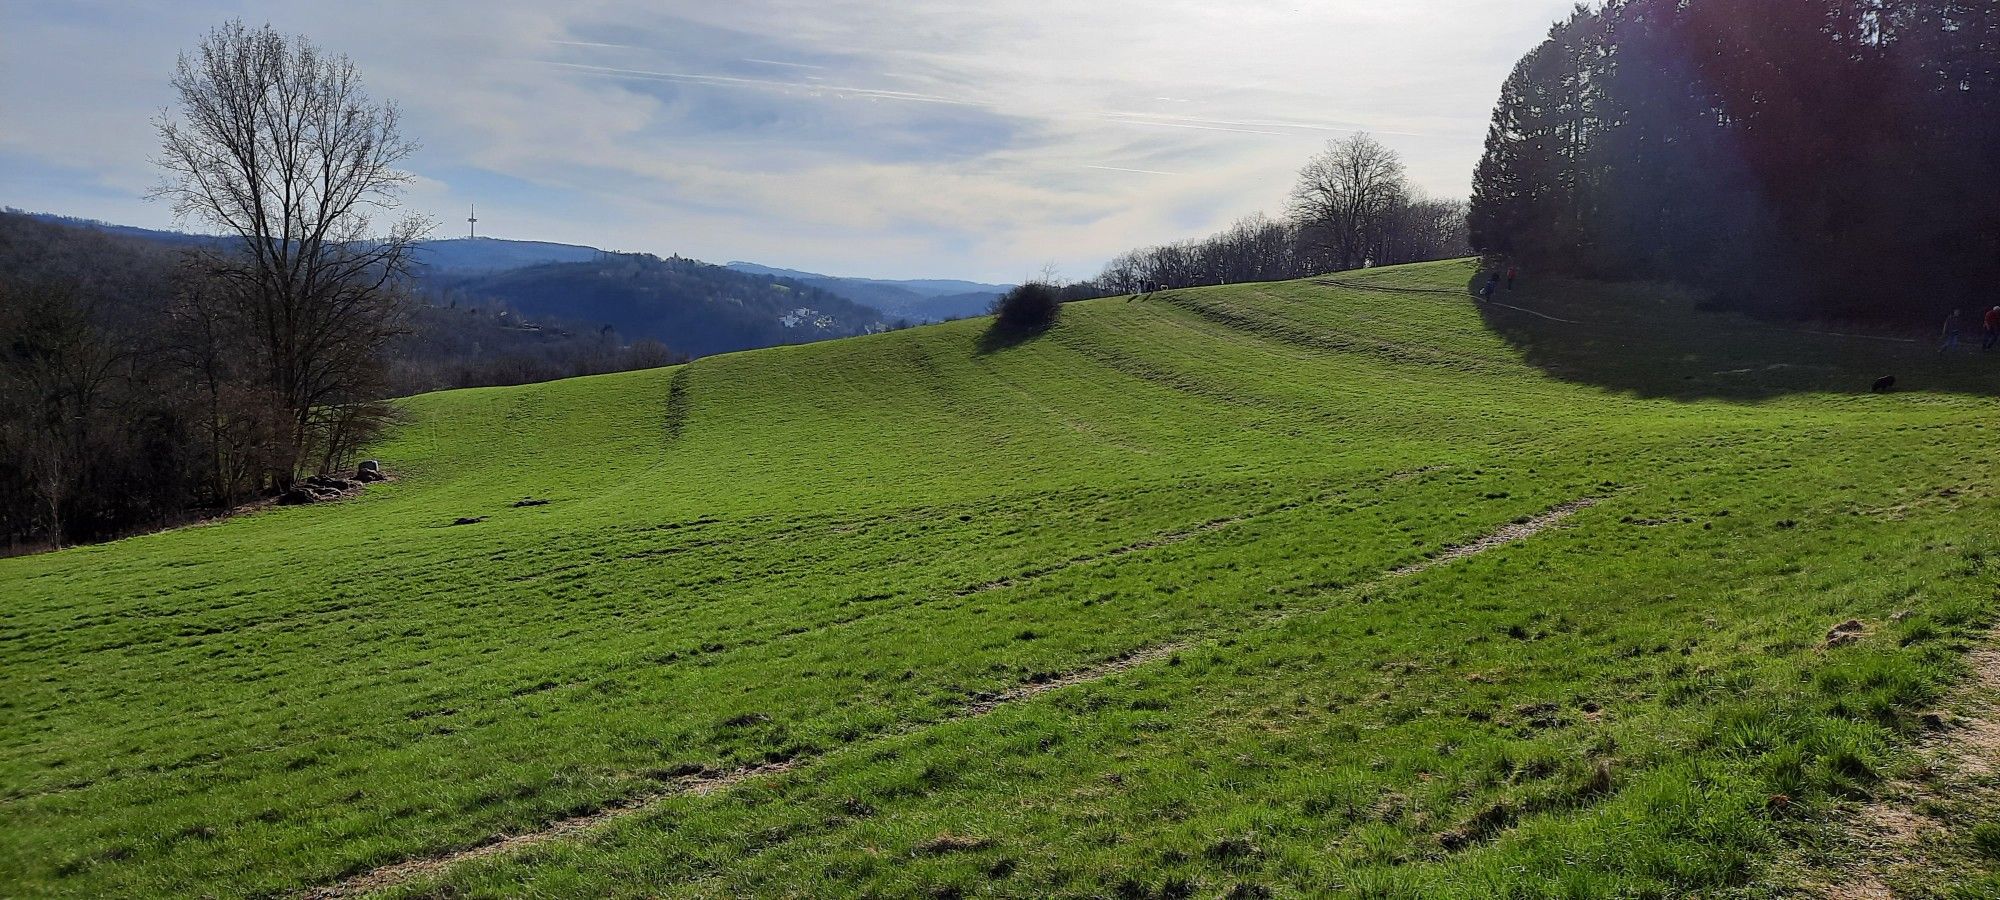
[469,520]
[1884,384]
[530,501]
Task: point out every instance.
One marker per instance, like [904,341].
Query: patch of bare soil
[397,873]
[1897,834]
[1517,531]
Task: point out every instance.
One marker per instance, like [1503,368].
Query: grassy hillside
[901,573]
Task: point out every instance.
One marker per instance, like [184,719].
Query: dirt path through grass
[1918,824]
[1517,531]
[704,783]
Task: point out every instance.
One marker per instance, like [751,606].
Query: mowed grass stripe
[1042,795]
[701,784]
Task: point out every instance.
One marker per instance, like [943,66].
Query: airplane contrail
[779,62]
[733,81]
[595,44]
[1197,127]
[1133,171]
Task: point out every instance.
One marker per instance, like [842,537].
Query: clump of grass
[1986,839]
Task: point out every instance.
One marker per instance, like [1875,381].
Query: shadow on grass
[998,337]
[1658,341]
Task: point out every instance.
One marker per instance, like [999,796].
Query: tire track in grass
[1385,288]
[677,406]
[686,786]
[1154,543]
[1211,526]
[1389,289]
[1519,530]
[1352,286]
[909,603]
[702,784]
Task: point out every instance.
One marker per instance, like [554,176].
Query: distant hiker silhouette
[1492,284]
[1992,328]
[1512,273]
[1953,324]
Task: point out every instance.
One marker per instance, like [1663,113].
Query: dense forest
[692,306]
[1820,158]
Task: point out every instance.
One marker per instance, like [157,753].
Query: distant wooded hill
[492,254]
[922,300]
[691,306]
[125,277]
[534,295]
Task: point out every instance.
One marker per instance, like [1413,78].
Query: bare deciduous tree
[56,374]
[1345,194]
[277,146]
[1421,228]
[1257,248]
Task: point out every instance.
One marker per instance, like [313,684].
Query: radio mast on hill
[472,223]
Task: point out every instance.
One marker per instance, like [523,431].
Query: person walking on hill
[1953,324]
[1992,328]
[1513,272]
[1492,284]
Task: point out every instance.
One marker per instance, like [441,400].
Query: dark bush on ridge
[1029,307]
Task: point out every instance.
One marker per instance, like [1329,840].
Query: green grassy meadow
[825,554]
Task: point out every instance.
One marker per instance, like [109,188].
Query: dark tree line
[92,434]
[1353,206]
[111,412]
[141,383]
[449,347]
[1830,158]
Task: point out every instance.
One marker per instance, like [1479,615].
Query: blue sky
[948,138]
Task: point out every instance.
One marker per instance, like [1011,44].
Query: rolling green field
[1109,612]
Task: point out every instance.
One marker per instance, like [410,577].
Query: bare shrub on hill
[278,147]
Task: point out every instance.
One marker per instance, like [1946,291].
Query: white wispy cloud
[977,138]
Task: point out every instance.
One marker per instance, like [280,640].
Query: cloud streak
[971,138]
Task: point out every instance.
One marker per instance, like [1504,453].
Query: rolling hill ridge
[918,301]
